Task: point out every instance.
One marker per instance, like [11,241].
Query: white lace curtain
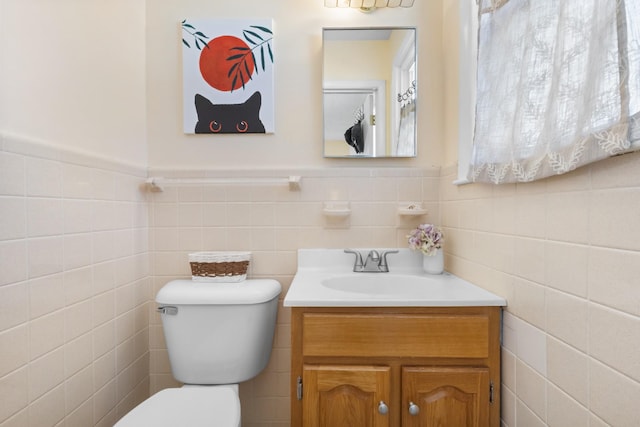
[406,134]
[558,86]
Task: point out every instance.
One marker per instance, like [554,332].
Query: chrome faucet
[374,263]
[358,265]
[373,257]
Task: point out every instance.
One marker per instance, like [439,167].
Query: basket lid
[220,256]
[188,292]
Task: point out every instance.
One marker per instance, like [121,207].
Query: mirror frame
[384,108]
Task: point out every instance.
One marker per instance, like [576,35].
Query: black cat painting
[229,118]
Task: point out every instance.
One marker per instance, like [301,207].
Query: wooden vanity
[397,349]
[395,366]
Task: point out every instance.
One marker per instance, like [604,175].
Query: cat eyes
[216,127]
[242,127]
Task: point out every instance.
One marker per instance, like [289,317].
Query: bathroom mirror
[369,92]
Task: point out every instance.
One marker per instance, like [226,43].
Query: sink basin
[325,278]
[378,283]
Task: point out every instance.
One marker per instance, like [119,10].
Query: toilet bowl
[218,335]
[192,406]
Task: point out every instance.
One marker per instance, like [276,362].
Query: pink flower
[427,238]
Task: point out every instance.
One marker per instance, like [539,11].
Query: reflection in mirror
[369,92]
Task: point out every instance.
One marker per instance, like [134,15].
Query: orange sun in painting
[226,63]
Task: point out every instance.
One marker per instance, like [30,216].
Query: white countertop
[443,290]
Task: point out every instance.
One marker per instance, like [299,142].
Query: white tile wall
[568,369]
[564,410]
[82,252]
[64,230]
[613,397]
[273,223]
[572,325]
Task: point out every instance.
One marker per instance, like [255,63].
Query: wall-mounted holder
[336,209]
[411,209]
[337,214]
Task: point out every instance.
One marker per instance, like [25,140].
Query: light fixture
[368,5]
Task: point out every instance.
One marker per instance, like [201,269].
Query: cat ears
[202,102]
[255,100]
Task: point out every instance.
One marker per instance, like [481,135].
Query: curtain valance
[558,86]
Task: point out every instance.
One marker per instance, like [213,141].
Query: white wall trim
[467,85]
[27,146]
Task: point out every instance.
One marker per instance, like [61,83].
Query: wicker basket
[219,266]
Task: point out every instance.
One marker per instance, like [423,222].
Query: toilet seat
[197,406]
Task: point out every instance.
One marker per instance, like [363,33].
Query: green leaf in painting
[233,82]
[253,34]
[266,30]
[270,52]
[262,57]
[233,67]
[254,61]
[242,48]
[246,67]
[232,57]
[199,38]
[249,39]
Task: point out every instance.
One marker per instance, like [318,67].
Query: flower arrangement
[427,238]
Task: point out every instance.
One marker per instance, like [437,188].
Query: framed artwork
[227,76]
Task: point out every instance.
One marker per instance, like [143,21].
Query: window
[558,86]
[403,142]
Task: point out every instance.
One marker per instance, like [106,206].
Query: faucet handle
[358,263]
[374,255]
[383,259]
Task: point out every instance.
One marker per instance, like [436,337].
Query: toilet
[218,335]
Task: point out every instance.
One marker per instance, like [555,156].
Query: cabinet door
[345,396]
[445,397]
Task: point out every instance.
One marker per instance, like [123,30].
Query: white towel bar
[158,183]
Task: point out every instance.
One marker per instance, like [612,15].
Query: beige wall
[79,346]
[72,75]
[450,65]
[373,58]
[298,105]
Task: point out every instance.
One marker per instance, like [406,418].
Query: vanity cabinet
[395,366]
[344,395]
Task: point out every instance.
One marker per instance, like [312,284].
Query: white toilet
[218,335]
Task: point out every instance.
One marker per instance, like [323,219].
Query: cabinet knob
[383,408]
[413,408]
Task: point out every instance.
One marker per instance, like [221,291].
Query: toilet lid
[187,406]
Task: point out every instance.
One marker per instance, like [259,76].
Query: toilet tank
[218,333]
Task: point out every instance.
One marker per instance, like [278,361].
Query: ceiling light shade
[367,4]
